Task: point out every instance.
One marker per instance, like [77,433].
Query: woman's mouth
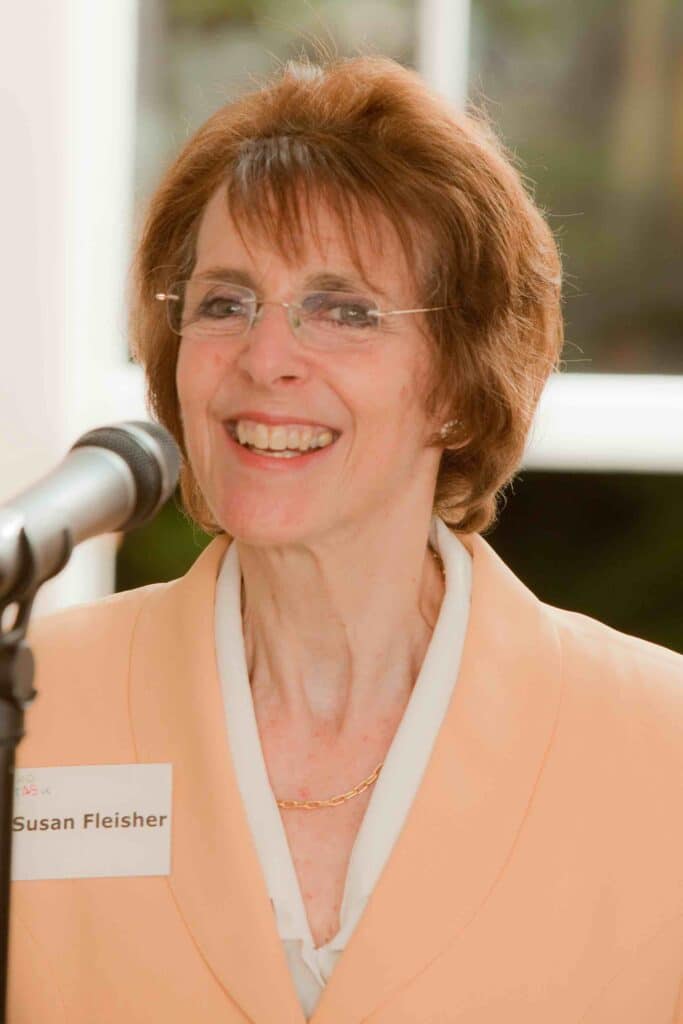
[258,443]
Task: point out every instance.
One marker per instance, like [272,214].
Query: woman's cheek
[183,380]
[195,387]
[189,375]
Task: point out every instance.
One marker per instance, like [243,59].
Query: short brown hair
[367,134]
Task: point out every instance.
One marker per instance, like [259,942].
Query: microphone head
[152,457]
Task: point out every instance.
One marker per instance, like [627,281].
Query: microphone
[113,478]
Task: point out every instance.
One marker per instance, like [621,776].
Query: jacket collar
[459,831]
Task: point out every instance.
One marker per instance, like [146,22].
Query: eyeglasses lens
[323,319]
[210,307]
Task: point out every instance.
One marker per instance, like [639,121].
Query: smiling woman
[324,372]
[386,752]
[377,159]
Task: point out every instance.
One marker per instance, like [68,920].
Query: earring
[448,426]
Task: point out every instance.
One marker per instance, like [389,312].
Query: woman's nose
[271,349]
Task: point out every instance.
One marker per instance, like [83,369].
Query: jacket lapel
[178,716]
[459,831]
[473,798]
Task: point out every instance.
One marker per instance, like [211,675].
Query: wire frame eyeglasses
[205,307]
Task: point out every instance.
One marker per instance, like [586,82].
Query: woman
[403,788]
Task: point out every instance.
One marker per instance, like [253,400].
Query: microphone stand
[16,693]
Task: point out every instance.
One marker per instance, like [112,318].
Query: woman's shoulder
[582,629]
[101,631]
[82,657]
[604,658]
[85,625]
[86,657]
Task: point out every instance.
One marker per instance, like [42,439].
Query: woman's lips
[274,462]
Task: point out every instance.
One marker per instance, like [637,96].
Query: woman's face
[370,394]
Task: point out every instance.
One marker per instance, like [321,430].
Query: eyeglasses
[204,308]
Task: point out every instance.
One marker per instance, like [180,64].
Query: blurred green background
[588,95]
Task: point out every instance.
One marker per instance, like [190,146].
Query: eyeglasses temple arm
[426,309]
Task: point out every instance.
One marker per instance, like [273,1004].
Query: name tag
[92,821]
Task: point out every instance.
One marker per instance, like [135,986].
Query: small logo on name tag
[92,821]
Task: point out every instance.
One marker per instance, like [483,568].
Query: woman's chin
[267,526]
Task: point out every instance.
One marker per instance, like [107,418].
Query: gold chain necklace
[309,805]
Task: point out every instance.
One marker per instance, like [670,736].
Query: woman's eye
[354,315]
[221,308]
[343,312]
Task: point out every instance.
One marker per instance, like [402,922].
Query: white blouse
[393,792]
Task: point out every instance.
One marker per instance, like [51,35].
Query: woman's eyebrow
[326,280]
[341,283]
[230,274]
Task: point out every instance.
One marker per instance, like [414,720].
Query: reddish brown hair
[367,135]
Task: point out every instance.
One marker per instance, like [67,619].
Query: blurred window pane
[590,97]
[195,55]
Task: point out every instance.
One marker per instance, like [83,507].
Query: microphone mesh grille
[152,456]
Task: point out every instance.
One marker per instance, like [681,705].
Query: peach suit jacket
[538,878]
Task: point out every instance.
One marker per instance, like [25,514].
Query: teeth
[277,439]
[292,437]
[259,437]
[281,437]
[305,440]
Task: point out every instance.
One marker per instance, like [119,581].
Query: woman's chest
[320,846]
[320,839]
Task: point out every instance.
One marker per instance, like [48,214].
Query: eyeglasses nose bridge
[292,310]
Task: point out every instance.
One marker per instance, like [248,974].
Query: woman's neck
[329,649]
